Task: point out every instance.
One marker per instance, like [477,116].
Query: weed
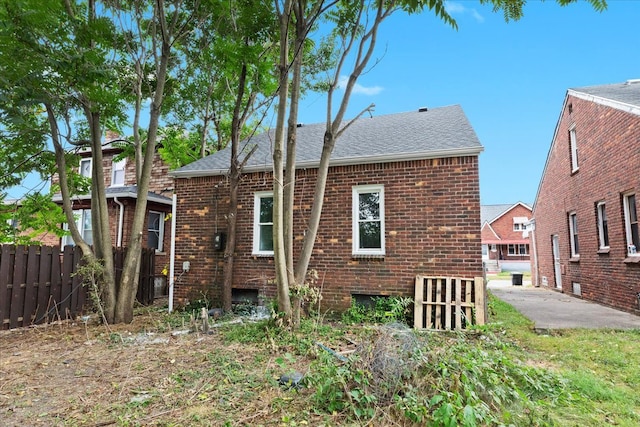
[382,310]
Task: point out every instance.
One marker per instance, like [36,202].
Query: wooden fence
[449,302]
[38,284]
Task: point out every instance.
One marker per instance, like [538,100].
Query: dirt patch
[87,375]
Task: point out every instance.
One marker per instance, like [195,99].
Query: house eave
[458,152]
[629,108]
[122,194]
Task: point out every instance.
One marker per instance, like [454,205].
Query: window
[603,229]
[368,220]
[117,173]
[85,167]
[485,250]
[83,222]
[519,249]
[631,224]
[155,230]
[573,234]
[263,224]
[574,148]
[519,223]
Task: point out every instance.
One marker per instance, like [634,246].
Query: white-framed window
[85,167]
[494,248]
[519,223]
[574,148]
[263,223]
[631,224]
[518,249]
[573,234]
[83,222]
[368,220]
[117,172]
[155,230]
[603,227]
[485,250]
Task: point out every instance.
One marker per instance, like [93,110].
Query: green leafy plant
[383,310]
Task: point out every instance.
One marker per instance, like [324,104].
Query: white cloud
[359,89]
[454,8]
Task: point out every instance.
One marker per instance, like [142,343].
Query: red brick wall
[432,222]
[608,156]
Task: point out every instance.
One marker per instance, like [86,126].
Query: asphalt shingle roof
[627,93]
[489,213]
[438,132]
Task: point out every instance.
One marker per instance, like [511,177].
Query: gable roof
[489,213]
[622,96]
[433,133]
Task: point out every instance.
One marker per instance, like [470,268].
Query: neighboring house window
[519,249]
[631,224]
[368,220]
[155,230]
[83,222]
[263,224]
[574,149]
[117,173]
[519,223]
[85,167]
[573,234]
[603,228]
[485,250]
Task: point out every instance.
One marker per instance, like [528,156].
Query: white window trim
[627,225]
[516,249]
[599,211]
[113,172]
[572,234]
[256,223]
[356,250]
[574,149]
[160,231]
[87,160]
[78,214]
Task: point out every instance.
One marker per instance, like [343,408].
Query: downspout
[172,260]
[536,281]
[120,222]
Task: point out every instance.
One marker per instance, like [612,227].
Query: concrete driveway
[554,310]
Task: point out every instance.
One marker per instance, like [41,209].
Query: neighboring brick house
[413,177]
[121,192]
[586,210]
[505,246]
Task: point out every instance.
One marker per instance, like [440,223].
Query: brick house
[505,246]
[585,214]
[414,176]
[121,192]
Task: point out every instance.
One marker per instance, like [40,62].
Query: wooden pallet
[449,302]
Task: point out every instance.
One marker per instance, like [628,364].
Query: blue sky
[510,79]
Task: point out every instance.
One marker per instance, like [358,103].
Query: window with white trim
[263,223]
[518,249]
[603,227]
[573,234]
[83,222]
[574,148]
[117,172]
[519,223]
[368,220]
[631,224]
[155,230]
[85,167]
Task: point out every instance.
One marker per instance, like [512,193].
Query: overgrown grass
[601,368]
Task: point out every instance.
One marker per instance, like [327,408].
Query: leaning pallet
[445,303]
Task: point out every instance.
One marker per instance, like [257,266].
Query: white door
[556,260]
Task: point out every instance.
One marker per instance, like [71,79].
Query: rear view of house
[402,199]
[586,210]
[505,242]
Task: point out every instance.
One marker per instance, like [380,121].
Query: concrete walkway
[550,310]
